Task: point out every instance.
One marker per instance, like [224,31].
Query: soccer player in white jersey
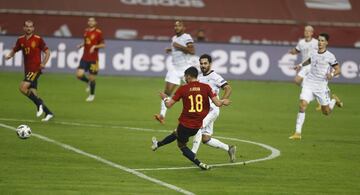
[216,83]
[182,48]
[324,67]
[305,47]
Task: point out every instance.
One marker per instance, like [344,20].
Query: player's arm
[98,46]
[168,50]
[304,63]
[219,103]
[16,48]
[46,58]
[188,49]
[169,102]
[227,91]
[336,71]
[80,45]
[10,55]
[294,51]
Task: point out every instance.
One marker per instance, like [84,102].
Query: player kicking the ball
[195,97]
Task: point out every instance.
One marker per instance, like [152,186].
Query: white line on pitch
[274,152]
[87,125]
[112,164]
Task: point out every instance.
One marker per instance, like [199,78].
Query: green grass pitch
[325,161]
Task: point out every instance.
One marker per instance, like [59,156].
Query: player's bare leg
[80,74]
[327,109]
[169,90]
[299,120]
[318,107]
[24,87]
[298,80]
[338,102]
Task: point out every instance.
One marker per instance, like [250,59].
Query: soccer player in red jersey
[93,41]
[32,46]
[196,105]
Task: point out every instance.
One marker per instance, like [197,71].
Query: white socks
[300,121]
[163,109]
[332,104]
[212,142]
[217,144]
[196,142]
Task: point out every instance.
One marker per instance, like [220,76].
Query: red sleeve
[178,94]
[101,38]
[210,93]
[17,46]
[42,45]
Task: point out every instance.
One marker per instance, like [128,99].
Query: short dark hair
[207,56]
[192,71]
[180,21]
[327,37]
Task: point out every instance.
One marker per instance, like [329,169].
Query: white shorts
[208,122]
[304,71]
[322,96]
[175,76]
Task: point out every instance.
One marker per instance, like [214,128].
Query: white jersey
[179,58]
[321,65]
[306,48]
[215,81]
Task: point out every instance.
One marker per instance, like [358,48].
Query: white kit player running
[182,49]
[305,47]
[216,83]
[324,67]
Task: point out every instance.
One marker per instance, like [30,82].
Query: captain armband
[166,99]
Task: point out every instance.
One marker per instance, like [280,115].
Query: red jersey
[31,49]
[196,105]
[91,38]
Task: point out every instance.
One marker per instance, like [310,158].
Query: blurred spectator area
[237,21]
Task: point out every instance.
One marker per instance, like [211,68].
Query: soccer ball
[23,131]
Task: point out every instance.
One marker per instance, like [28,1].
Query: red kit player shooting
[195,97]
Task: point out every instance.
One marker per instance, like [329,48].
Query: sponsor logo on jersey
[33,44]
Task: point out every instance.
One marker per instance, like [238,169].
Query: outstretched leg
[168,139]
[169,89]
